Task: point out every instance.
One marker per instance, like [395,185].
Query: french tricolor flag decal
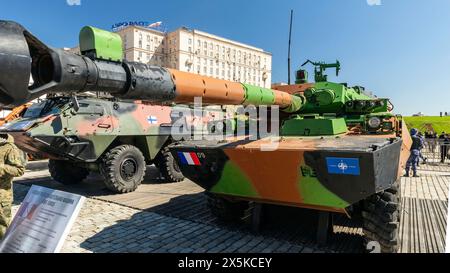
[189,159]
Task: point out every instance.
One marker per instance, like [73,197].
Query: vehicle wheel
[168,166]
[381,218]
[123,168]
[226,210]
[66,172]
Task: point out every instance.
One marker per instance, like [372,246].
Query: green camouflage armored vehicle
[83,134]
[339,149]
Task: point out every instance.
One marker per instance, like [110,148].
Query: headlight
[374,122]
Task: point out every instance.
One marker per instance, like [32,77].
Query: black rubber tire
[66,172]
[381,218]
[168,166]
[111,168]
[226,210]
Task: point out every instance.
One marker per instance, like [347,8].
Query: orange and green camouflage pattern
[322,161]
[297,172]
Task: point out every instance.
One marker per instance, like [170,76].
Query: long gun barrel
[101,68]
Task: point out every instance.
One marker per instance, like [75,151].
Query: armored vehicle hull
[327,174]
[79,139]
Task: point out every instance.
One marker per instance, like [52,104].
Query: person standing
[433,142]
[11,165]
[424,159]
[444,142]
[413,160]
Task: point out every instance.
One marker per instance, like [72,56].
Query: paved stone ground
[173,218]
[106,227]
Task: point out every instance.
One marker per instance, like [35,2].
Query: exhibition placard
[42,222]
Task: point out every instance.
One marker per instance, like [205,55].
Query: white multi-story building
[198,52]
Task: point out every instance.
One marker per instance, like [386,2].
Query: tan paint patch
[90,127]
[274,174]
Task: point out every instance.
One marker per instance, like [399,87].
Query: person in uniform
[11,165]
[421,156]
[413,160]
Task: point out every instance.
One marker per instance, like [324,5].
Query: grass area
[439,124]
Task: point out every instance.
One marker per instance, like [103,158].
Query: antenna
[289,48]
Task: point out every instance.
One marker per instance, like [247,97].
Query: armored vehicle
[81,134]
[340,149]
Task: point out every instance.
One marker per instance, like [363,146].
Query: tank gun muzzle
[15,64]
[30,69]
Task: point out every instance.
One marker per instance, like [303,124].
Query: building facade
[198,52]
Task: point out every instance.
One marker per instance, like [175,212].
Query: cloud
[73,2]
[374,2]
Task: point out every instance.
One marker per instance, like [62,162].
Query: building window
[198,69]
[148,47]
[199,43]
[217,72]
[190,49]
[204,70]
[211,62]
[211,71]
[205,45]
[190,41]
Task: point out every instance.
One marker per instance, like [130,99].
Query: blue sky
[399,49]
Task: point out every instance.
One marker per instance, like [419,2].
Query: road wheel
[123,168]
[381,218]
[168,166]
[226,210]
[66,172]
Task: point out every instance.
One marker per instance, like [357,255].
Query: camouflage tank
[340,149]
[82,134]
